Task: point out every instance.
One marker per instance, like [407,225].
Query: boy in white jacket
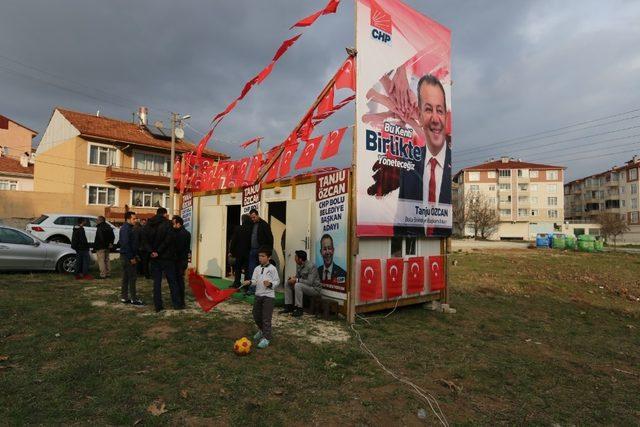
[265,278]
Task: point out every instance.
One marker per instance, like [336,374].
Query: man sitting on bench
[305,282]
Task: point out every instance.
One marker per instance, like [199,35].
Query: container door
[298,233]
[211,240]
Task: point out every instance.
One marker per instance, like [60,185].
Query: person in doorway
[261,236]
[305,282]
[103,244]
[163,258]
[80,244]
[265,278]
[183,254]
[239,248]
[129,258]
[328,271]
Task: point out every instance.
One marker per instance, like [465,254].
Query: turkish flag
[436,273]
[395,271]
[346,75]
[232,172]
[332,145]
[326,104]
[284,46]
[325,115]
[225,112]
[331,7]
[272,174]
[305,130]
[256,163]
[306,158]
[206,294]
[370,280]
[415,275]
[309,20]
[247,87]
[241,170]
[285,159]
[203,143]
[264,73]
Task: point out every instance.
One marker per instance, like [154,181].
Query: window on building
[492,201]
[475,187]
[533,174]
[551,188]
[552,201]
[622,203]
[534,200]
[523,199]
[102,156]
[634,203]
[534,212]
[151,162]
[623,175]
[621,190]
[523,212]
[634,189]
[505,212]
[533,187]
[553,213]
[634,217]
[523,187]
[101,195]
[492,188]
[149,199]
[552,175]
[520,173]
[6,184]
[401,246]
[505,186]
[491,174]
[505,199]
[504,172]
[633,174]
[474,176]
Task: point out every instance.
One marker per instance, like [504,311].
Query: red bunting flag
[284,46]
[332,145]
[327,102]
[256,163]
[370,280]
[308,21]
[285,159]
[203,143]
[395,271]
[331,7]
[247,87]
[306,158]
[264,73]
[206,294]
[346,75]
[436,273]
[306,129]
[327,114]
[251,141]
[272,174]
[241,170]
[415,275]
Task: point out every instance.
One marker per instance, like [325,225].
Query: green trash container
[586,245]
[598,245]
[558,241]
[570,242]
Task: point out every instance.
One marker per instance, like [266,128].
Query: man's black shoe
[288,308]
[297,312]
[125,301]
[137,303]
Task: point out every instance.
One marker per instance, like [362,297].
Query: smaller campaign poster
[186,212]
[332,225]
[250,199]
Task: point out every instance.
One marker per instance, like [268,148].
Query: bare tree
[460,216]
[481,215]
[612,225]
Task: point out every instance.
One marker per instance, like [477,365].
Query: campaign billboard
[403,113]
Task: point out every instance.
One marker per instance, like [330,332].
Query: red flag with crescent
[346,75]
[395,270]
[332,145]
[326,104]
[370,280]
[256,162]
[415,275]
[206,294]
[306,158]
[272,174]
[436,273]
[286,157]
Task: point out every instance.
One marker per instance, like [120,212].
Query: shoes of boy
[297,312]
[257,336]
[137,303]
[264,343]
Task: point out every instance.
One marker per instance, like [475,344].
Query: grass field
[540,337]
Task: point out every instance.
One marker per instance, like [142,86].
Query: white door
[211,240]
[298,233]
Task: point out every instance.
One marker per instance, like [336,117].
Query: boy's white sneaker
[257,336]
[264,343]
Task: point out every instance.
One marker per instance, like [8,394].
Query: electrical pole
[174,119]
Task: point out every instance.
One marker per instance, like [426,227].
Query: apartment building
[613,191]
[527,196]
[103,165]
[16,160]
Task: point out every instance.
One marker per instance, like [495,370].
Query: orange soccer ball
[242,347]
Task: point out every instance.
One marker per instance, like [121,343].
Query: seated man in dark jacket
[161,237]
[80,244]
[183,253]
[102,245]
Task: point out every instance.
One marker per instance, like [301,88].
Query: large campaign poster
[250,199]
[186,211]
[332,207]
[403,114]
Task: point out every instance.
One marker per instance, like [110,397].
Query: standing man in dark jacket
[239,248]
[161,237]
[129,258]
[145,250]
[102,245]
[183,253]
[261,236]
[81,246]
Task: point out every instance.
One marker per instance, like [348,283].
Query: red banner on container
[370,280]
[436,273]
[415,275]
[395,271]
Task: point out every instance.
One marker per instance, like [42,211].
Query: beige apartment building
[613,191]
[103,166]
[527,196]
[16,159]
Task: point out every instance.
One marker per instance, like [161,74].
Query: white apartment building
[528,196]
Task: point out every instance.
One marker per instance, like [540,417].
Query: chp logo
[381,23]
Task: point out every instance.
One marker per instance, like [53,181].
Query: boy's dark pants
[262,312]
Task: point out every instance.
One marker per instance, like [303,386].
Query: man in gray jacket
[305,282]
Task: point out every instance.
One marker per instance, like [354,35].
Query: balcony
[524,179]
[504,179]
[120,175]
[504,205]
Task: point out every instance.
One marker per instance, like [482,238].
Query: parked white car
[52,227]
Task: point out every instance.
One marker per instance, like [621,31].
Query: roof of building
[629,164]
[11,166]
[19,124]
[102,127]
[509,164]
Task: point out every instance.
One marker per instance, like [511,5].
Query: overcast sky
[519,69]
